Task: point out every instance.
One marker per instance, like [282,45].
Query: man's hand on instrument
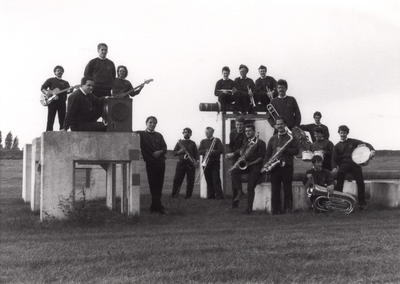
[229,156]
[372,154]
[234,90]
[335,171]
[330,188]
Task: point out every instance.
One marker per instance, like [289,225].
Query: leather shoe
[240,196]
[248,211]
[232,207]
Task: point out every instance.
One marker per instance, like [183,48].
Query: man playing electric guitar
[123,87]
[57,104]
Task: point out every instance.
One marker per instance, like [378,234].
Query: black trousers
[101,92]
[243,102]
[263,99]
[254,175]
[155,176]
[91,124]
[227,99]
[57,106]
[211,174]
[183,168]
[358,176]
[281,176]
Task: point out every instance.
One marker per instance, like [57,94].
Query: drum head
[307,156]
[361,155]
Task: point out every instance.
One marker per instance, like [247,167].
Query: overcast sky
[339,57]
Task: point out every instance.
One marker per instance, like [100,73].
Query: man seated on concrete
[84,109]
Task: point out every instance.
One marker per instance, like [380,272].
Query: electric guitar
[51,96]
[126,94]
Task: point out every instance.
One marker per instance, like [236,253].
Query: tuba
[337,202]
[241,163]
[277,159]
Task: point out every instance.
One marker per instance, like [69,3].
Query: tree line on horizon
[9,142]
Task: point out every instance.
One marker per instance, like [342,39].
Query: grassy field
[199,242]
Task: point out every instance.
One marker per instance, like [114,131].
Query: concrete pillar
[385,193]
[133,194]
[111,185]
[26,173]
[35,174]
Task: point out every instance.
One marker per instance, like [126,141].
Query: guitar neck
[126,94]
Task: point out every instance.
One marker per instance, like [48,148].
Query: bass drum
[320,153]
[361,155]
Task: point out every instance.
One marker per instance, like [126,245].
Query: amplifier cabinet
[118,114]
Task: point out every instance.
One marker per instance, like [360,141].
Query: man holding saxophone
[281,147]
[188,162]
[249,160]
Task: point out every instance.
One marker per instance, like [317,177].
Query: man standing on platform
[225,91]
[102,70]
[84,109]
[57,105]
[342,163]
[286,106]
[153,149]
[237,139]
[288,146]
[187,164]
[310,127]
[245,88]
[252,153]
[211,150]
[266,88]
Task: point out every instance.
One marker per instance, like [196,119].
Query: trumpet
[269,93]
[205,161]
[251,97]
[187,156]
[277,159]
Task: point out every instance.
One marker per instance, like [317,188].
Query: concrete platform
[55,155]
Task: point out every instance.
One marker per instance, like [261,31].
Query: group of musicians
[248,153]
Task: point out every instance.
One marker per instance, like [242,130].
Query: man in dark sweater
[310,127]
[103,71]
[342,163]
[237,139]
[245,88]
[57,105]
[324,145]
[266,88]
[253,153]
[225,91]
[153,149]
[211,170]
[187,164]
[84,109]
[282,175]
[286,106]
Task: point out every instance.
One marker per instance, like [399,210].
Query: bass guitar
[51,95]
[126,94]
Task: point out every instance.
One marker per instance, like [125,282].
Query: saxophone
[187,156]
[241,163]
[277,159]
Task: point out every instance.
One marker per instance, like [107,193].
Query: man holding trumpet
[188,163]
[244,95]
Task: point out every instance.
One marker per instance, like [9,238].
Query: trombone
[274,114]
[205,161]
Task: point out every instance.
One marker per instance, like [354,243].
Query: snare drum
[320,153]
[307,156]
[361,155]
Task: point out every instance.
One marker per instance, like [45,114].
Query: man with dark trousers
[245,88]
[212,168]
[310,127]
[84,109]
[286,106]
[323,145]
[153,149]
[187,164]
[225,91]
[287,145]
[102,70]
[342,163]
[57,105]
[253,153]
[266,88]
[237,139]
